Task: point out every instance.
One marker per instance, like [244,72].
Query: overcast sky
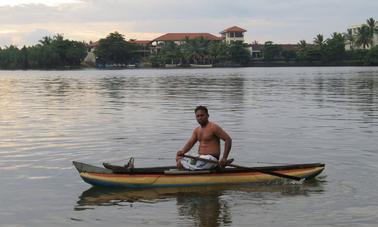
[24,22]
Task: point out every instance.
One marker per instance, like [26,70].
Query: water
[275,115]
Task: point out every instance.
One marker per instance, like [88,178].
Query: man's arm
[192,140]
[227,144]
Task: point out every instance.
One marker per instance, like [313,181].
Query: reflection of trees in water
[116,87]
[169,95]
[202,88]
[62,86]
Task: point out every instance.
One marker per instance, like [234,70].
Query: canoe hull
[98,176]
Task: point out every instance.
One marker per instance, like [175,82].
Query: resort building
[233,33]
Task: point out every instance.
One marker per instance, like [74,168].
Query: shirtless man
[209,135]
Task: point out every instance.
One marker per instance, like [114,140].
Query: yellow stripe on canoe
[212,178]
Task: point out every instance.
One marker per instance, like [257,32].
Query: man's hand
[179,156]
[224,162]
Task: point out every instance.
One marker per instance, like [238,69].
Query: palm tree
[350,37]
[46,40]
[337,35]
[302,44]
[372,27]
[319,40]
[364,38]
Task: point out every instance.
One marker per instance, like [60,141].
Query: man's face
[202,117]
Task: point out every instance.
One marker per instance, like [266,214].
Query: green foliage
[334,48]
[238,53]
[196,51]
[372,56]
[303,51]
[356,55]
[114,50]
[289,55]
[330,51]
[271,51]
[58,52]
[364,36]
[201,51]
[55,52]
[319,40]
[170,53]
[10,58]
[219,52]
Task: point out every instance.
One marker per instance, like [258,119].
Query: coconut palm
[302,44]
[319,40]
[350,37]
[364,38]
[372,26]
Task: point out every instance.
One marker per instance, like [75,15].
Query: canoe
[169,176]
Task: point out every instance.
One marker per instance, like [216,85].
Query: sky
[25,22]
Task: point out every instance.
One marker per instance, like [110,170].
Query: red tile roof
[183,36]
[233,29]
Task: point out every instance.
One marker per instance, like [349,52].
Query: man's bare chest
[205,135]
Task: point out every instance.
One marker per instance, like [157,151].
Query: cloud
[280,21]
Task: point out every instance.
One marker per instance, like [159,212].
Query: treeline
[330,51]
[202,51]
[50,53]
[114,49]
[58,52]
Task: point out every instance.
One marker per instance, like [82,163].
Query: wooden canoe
[169,176]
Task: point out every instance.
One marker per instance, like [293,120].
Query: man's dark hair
[203,108]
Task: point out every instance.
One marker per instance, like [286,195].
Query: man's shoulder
[214,125]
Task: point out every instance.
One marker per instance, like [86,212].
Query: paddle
[250,168]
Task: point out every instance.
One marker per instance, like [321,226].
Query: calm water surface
[275,115]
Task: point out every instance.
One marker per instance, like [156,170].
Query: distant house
[233,33]
[144,47]
[256,50]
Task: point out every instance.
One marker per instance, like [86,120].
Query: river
[275,115]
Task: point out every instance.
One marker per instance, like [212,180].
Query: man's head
[202,115]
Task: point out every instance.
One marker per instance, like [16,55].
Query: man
[209,135]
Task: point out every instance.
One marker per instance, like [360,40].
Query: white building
[233,33]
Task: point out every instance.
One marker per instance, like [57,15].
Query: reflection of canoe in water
[170,177]
[99,196]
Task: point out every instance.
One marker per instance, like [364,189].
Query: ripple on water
[275,115]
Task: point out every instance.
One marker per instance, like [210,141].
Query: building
[233,33]
[144,49]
